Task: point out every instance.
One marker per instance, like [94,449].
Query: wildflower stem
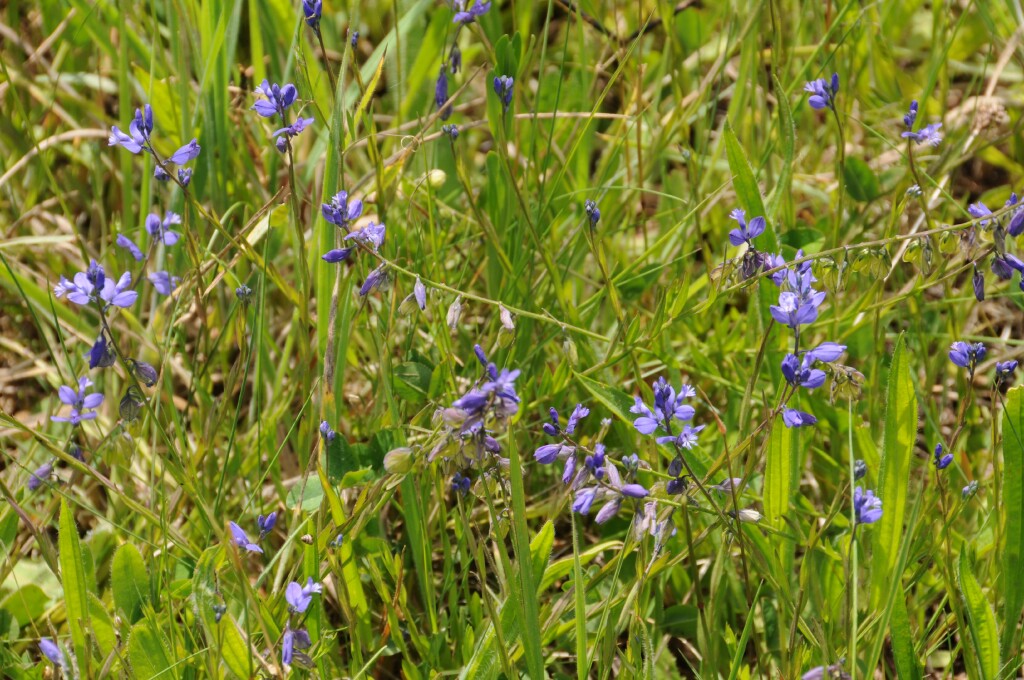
[851,578]
[327,65]
[840,176]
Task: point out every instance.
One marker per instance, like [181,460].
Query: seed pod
[131,404]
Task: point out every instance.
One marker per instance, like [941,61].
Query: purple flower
[800,374]
[583,500]
[794,418]
[50,649]
[101,354]
[503,384]
[292,640]
[979,211]
[83,289]
[39,476]
[312,11]
[441,93]
[593,212]
[373,281]
[326,432]
[266,524]
[299,597]
[277,99]
[966,355]
[164,282]
[123,241]
[241,539]
[162,230]
[941,461]
[795,311]
[185,176]
[608,510]
[284,134]
[823,93]
[687,437]
[337,255]
[503,87]
[547,454]
[867,507]
[978,282]
[144,372]
[825,352]
[464,16]
[419,291]
[82,405]
[911,116]
[185,154]
[929,134]
[451,130]
[668,405]
[160,175]
[746,233]
[1005,264]
[634,491]
[969,490]
[1004,369]
[372,235]
[578,414]
[833,672]
[137,138]
[340,212]
[461,484]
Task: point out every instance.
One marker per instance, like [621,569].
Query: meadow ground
[576,339]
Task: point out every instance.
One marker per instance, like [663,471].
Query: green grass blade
[981,620]
[1011,585]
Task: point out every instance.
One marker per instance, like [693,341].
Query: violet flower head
[160,175]
[979,211]
[461,484]
[686,439]
[441,93]
[40,475]
[941,461]
[241,539]
[745,233]
[504,87]
[910,116]
[373,281]
[312,10]
[794,310]
[823,92]
[185,176]
[451,131]
[83,405]
[92,284]
[266,524]
[929,134]
[299,597]
[164,282]
[419,292]
[978,283]
[50,650]
[336,255]
[800,374]
[371,235]
[867,507]
[340,211]
[123,241]
[668,406]
[292,640]
[583,499]
[101,354]
[283,135]
[1005,264]
[791,417]
[276,100]
[136,140]
[464,16]
[161,231]
[578,414]
[966,355]
[326,432]
[593,212]
[185,154]
[1005,369]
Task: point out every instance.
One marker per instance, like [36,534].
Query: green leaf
[73,578]
[787,133]
[894,475]
[861,182]
[129,581]
[412,380]
[778,475]
[980,618]
[747,191]
[907,666]
[1012,586]
[615,400]
[528,610]
[309,491]
[339,459]
[147,653]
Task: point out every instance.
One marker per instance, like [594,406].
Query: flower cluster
[867,506]
[823,92]
[929,134]
[1004,264]
[504,87]
[138,139]
[277,99]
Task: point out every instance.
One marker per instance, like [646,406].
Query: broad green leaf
[129,581]
[528,610]
[1011,585]
[980,618]
[148,654]
[894,476]
[778,476]
[615,400]
[309,492]
[860,179]
[102,626]
[73,578]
